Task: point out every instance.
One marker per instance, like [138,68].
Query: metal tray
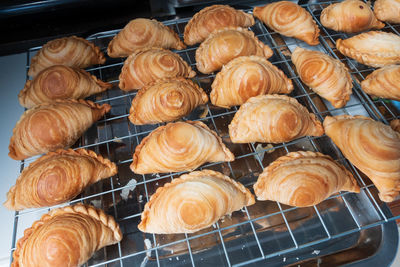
[267,232]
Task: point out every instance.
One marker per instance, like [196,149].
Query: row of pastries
[57,116]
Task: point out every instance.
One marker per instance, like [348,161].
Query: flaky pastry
[395,124]
[384,82]
[387,10]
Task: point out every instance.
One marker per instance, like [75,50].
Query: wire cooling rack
[266,230]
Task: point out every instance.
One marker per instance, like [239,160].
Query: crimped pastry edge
[228,154]
[87,210]
[132,111]
[260,184]
[225,68]
[191,176]
[193,20]
[267,51]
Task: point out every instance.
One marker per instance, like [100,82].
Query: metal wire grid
[264,231]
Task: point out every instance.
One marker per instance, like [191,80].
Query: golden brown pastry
[327,76]
[387,10]
[70,51]
[350,16]
[273,119]
[214,18]
[193,202]
[60,82]
[223,45]
[372,147]
[289,19]
[395,124]
[303,179]
[142,33]
[179,146]
[245,77]
[384,82]
[374,48]
[66,236]
[148,65]
[166,100]
[57,177]
[51,126]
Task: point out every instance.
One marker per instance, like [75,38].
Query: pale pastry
[245,77]
[60,82]
[374,48]
[193,202]
[179,146]
[289,19]
[387,10]
[395,124]
[303,179]
[372,147]
[214,18]
[350,16]
[57,177]
[327,76]
[223,45]
[166,100]
[150,64]
[273,119]
[66,236]
[142,33]
[51,126]
[70,51]
[384,82]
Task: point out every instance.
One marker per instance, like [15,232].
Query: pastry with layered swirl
[179,146]
[273,119]
[67,236]
[289,19]
[70,51]
[51,126]
[373,48]
[166,100]
[142,33]
[60,82]
[57,177]
[395,124]
[326,76]
[223,45]
[350,16]
[303,179]
[214,18]
[384,82]
[245,77]
[371,146]
[387,10]
[192,202]
[151,64]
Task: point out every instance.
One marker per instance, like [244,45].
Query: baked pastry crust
[384,82]
[326,76]
[66,236]
[223,45]
[70,51]
[245,77]
[193,202]
[51,126]
[372,147]
[166,100]
[57,177]
[60,82]
[179,146]
[273,119]
[148,65]
[387,10]
[350,16]
[303,179]
[395,124]
[289,19]
[142,33]
[213,18]
[373,48]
